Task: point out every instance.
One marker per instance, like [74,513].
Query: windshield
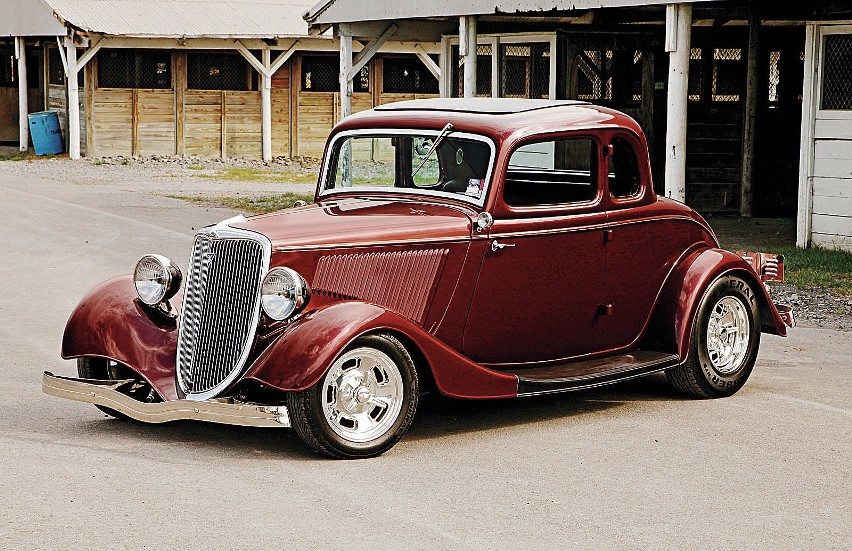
[458,167]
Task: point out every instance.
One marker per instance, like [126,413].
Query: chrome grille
[220,311]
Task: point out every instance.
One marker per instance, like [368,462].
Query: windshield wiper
[446,130]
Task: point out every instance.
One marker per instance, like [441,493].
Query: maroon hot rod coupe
[482,248]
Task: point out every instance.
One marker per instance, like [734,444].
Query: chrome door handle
[495,246]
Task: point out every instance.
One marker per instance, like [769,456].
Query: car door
[643,244]
[541,276]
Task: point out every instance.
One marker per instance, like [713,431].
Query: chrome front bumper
[217,410]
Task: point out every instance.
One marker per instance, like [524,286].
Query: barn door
[830,170]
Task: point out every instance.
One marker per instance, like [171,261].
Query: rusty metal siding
[400,281]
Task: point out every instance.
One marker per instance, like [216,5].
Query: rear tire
[363,405]
[725,340]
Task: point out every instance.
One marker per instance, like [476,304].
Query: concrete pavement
[629,466]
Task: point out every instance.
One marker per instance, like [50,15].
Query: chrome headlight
[156,278]
[283,293]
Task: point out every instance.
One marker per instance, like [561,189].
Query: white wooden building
[236,79]
[717,85]
[825,165]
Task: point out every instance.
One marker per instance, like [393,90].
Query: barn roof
[172,18]
[348,11]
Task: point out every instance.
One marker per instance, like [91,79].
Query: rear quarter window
[552,172]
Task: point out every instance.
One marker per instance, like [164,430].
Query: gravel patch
[175,176]
[815,306]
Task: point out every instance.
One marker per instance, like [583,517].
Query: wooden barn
[732,94]
[236,79]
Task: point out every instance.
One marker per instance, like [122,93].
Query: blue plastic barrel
[45,133]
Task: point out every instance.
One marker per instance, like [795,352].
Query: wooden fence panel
[155,122]
[242,125]
[316,118]
[203,123]
[112,120]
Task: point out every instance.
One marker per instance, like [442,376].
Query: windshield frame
[413,192]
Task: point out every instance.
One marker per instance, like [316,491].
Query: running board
[591,373]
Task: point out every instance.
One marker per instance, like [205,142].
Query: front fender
[302,354]
[110,322]
[685,288]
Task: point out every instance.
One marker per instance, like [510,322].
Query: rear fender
[681,296]
[302,354]
[110,322]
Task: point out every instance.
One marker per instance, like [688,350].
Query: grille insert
[220,311]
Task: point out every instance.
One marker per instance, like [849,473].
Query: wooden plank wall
[713,157]
[112,121]
[203,123]
[281,112]
[831,222]
[318,113]
[242,124]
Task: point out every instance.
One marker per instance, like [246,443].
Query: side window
[623,170]
[552,172]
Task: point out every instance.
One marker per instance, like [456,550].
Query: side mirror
[484,221]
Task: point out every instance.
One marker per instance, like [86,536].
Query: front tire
[363,405]
[725,340]
[101,369]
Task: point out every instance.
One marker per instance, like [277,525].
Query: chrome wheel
[728,334]
[362,395]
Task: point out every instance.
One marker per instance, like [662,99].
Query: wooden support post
[346,87]
[223,128]
[73,98]
[806,153]
[678,29]
[750,115]
[295,88]
[89,102]
[23,99]
[180,102]
[467,51]
[134,122]
[266,106]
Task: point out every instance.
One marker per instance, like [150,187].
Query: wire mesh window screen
[525,70]
[837,72]
[219,71]
[408,75]
[8,65]
[322,74]
[728,74]
[774,75]
[134,69]
[55,70]
[696,75]
[483,71]
[610,76]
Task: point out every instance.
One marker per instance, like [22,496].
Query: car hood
[354,222]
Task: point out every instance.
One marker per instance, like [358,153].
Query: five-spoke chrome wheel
[728,332]
[362,394]
[724,341]
[363,404]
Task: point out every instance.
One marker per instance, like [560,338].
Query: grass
[814,267]
[19,156]
[259,205]
[818,267]
[242,174]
